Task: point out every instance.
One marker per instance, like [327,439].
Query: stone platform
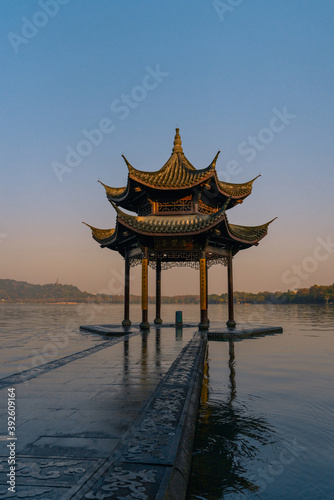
[119,330]
[241,331]
[116,420]
[216,330]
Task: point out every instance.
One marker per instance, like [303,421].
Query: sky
[83,82]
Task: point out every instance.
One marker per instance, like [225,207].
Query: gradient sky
[227,73]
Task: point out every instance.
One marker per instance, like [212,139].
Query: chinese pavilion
[180,221]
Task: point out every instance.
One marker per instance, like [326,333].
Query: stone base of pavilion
[118,330]
[115,330]
[216,330]
[240,331]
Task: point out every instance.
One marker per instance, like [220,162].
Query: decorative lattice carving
[135,261]
[177,254]
[172,258]
[205,209]
[223,261]
[182,205]
[175,263]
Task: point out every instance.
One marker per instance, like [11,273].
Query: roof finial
[177,142]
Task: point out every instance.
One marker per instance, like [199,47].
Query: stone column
[207,292]
[144,291]
[230,323]
[126,321]
[203,325]
[158,319]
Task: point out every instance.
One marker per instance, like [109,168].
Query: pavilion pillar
[126,321]
[158,319]
[144,291]
[203,325]
[207,292]
[230,323]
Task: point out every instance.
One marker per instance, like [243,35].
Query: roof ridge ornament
[177,142]
[101,234]
[214,161]
[118,210]
[222,210]
[128,164]
[272,220]
[251,181]
[104,185]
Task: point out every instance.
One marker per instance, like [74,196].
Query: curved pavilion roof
[178,174]
[176,225]
[252,234]
[203,225]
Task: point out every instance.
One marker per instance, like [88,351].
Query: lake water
[266,423]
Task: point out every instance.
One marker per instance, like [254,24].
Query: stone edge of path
[154,456]
[181,470]
[30,373]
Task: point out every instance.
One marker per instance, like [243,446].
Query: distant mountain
[21,291]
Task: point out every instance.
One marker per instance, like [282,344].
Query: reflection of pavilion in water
[227,438]
[144,361]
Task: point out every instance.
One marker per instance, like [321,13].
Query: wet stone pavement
[106,418]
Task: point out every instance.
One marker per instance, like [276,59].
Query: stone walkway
[113,420]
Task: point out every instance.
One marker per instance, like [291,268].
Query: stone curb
[177,487]
[30,373]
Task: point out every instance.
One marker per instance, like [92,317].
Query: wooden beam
[134,251]
[221,252]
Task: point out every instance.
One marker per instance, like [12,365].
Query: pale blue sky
[226,73]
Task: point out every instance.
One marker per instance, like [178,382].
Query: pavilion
[180,220]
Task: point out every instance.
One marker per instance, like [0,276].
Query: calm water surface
[266,423]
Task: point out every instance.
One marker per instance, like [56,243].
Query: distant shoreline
[21,292]
[152,302]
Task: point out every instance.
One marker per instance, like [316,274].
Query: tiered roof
[179,225]
[177,178]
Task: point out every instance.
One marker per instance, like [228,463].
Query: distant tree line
[317,294]
[20,291]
